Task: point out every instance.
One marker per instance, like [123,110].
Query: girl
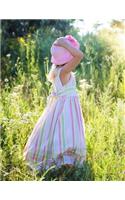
[58,137]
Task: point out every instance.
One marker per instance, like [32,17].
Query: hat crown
[61,55]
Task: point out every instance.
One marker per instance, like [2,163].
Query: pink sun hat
[61,55]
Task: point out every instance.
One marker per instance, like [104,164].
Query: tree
[118,25]
[40,32]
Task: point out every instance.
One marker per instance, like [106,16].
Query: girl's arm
[76,53]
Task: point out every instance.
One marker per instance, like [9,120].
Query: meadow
[100,77]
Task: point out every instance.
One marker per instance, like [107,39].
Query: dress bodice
[69,87]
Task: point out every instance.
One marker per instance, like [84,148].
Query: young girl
[58,137]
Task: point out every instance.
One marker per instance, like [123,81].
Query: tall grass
[105,135]
[101,87]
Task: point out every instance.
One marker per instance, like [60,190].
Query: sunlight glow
[122,39]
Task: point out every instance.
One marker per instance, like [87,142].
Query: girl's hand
[60,41]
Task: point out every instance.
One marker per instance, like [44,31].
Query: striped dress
[58,136]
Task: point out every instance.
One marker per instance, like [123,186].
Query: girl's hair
[53,72]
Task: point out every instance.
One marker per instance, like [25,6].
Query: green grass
[105,136]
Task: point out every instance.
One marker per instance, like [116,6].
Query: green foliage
[104,136]
[103,58]
[28,41]
[101,87]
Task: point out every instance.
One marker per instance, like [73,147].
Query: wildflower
[6,80]
[8,55]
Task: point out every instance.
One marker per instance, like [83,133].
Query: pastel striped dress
[59,135]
